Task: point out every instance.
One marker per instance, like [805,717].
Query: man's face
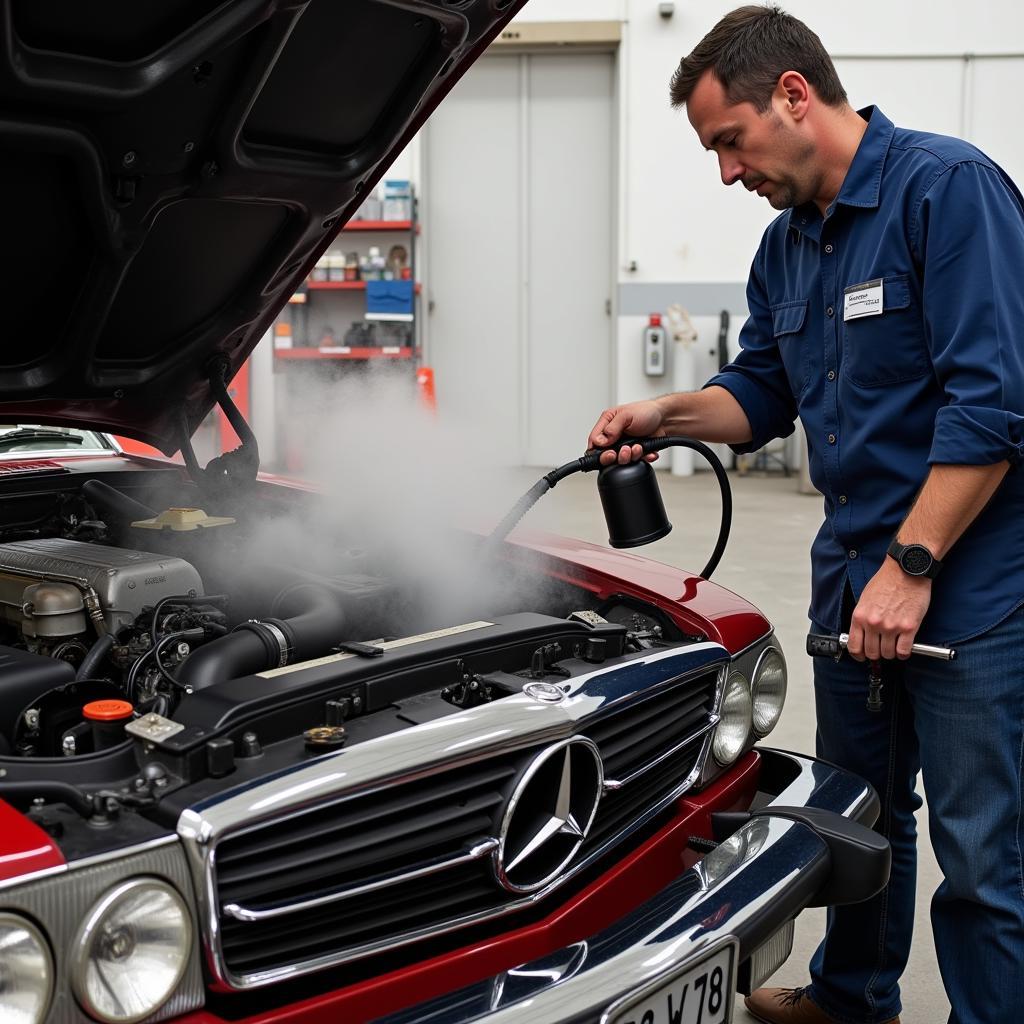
[766,152]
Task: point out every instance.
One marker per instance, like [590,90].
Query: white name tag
[863,300]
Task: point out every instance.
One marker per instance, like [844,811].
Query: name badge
[863,300]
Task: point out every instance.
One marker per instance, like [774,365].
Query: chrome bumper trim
[744,890]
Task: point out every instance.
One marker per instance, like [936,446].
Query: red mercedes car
[244,784]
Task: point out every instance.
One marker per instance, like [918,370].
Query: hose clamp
[282,643]
[271,635]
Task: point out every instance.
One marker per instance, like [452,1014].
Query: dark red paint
[24,846]
[695,604]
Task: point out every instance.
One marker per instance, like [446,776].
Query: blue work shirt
[936,377]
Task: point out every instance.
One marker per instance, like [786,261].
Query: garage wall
[943,66]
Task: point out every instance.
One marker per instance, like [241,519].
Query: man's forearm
[949,501]
[709,415]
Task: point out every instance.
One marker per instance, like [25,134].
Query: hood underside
[171,172]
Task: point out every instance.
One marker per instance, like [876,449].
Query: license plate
[701,993]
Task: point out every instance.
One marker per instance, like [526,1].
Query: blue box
[389,297]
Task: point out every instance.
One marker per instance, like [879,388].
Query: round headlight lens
[131,951]
[733,731]
[769,691]
[26,972]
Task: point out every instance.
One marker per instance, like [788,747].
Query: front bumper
[781,860]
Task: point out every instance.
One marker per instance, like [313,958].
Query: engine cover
[126,581]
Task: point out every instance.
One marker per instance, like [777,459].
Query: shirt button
[831,374]
[828,248]
[853,554]
[830,311]
[831,438]
[842,499]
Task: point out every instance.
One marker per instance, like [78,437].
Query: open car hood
[172,171]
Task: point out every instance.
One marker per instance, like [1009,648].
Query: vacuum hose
[94,658]
[592,461]
[314,626]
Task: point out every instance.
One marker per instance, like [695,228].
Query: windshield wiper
[16,437]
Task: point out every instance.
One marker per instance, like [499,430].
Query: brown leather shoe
[789,1006]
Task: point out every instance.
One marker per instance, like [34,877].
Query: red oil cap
[655,320]
[107,710]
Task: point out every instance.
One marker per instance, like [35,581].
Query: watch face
[916,560]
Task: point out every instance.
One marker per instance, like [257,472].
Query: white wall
[942,66]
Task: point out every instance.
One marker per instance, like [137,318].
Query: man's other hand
[638,419]
[889,614]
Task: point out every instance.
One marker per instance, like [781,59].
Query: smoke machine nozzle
[632,503]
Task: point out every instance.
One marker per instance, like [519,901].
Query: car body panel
[25,848]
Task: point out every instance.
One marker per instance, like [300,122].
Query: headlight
[769,690]
[26,972]
[733,731]
[131,951]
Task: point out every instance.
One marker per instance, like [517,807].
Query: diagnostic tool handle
[821,645]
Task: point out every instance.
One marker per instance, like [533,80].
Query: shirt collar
[863,181]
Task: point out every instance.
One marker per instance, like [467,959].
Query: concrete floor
[767,562]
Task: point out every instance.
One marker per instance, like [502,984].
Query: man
[886,310]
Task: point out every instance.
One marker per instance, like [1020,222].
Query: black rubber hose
[64,792]
[110,499]
[94,656]
[314,626]
[592,461]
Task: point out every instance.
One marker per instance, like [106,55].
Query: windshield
[28,438]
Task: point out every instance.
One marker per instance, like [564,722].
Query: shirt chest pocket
[889,347]
[789,326]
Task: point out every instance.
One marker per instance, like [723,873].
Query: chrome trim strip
[513,723]
[611,784]
[90,862]
[127,851]
[477,852]
[32,876]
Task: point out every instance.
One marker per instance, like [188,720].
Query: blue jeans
[960,723]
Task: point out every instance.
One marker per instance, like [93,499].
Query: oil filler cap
[107,710]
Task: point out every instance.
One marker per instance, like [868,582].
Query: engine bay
[147,652]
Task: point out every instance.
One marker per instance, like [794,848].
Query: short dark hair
[749,50]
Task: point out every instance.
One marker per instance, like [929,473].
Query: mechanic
[886,304]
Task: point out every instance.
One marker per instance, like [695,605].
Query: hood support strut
[234,470]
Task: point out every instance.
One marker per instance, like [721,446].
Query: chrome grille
[363,869]
[357,841]
[402,848]
[648,750]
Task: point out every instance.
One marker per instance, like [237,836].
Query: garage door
[518,218]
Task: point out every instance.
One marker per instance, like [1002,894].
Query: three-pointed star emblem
[548,814]
[560,820]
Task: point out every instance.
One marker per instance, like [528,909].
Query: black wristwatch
[915,559]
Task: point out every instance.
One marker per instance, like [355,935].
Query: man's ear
[793,94]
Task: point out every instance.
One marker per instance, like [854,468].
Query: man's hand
[889,614]
[638,419]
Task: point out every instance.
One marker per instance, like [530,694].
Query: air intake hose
[313,627]
[115,502]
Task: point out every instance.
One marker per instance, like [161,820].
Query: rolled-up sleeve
[757,378]
[969,239]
